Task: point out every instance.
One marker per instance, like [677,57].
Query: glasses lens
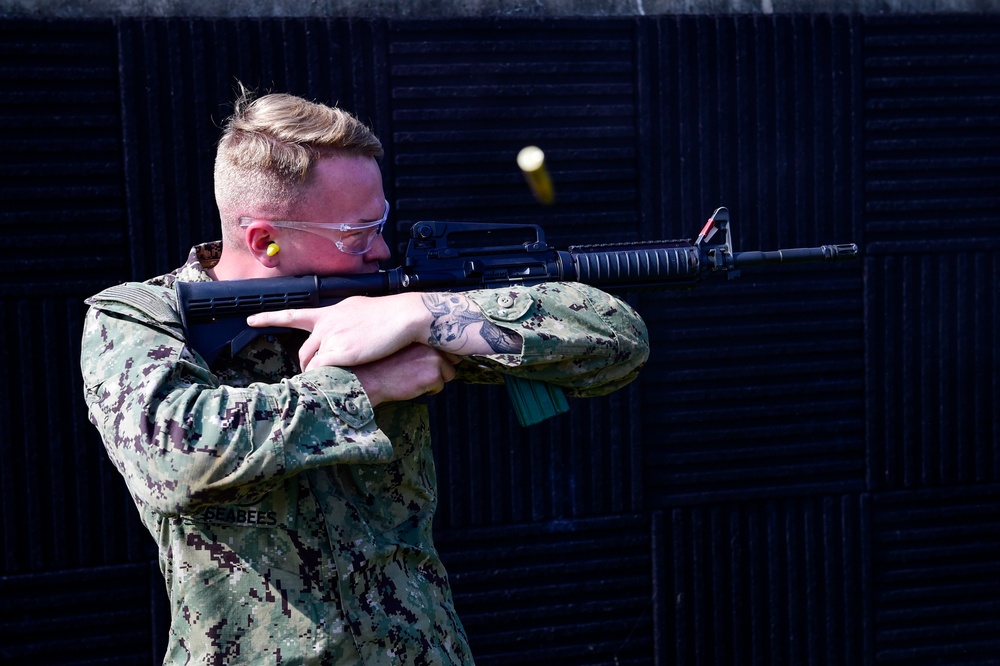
[358,241]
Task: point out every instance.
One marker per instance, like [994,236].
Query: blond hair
[268,147]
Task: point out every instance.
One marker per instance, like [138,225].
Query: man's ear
[259,236]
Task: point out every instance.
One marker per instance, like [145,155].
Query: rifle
[459,256]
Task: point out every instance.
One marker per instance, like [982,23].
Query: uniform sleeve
[577,337]
[182,440]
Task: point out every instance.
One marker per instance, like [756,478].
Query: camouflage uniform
[293,520]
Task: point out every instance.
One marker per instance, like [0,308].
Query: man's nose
[379,251]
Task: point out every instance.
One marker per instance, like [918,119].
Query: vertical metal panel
[936,557]
[61,166]
[62,222]
[755,384]
[567,592]
[493,471]
[932,132]
[467,96]
[775,582]
[96,615]
[758,114]
[933,376]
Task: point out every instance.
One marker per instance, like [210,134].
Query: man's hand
[409,373]
[355,331]
[360,329]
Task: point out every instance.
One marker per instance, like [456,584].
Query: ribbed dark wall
[932,189]
[808,472]
[775,582]
[763,376]
[63,225]
[465,101]
[563,592]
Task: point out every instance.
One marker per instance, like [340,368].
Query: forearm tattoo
[452,316]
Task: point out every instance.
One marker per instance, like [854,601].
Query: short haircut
[268,147]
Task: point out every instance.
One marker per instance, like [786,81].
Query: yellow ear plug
[272,249]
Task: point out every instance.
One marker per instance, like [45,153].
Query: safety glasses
[349,238]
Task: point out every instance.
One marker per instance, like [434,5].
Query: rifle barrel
[796,255]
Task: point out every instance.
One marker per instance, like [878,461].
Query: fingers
[321,349]
[302,318]
[409,373]
[446,372]
[312,357]
[308,353]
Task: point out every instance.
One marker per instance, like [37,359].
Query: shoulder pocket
[509,305]
[155,305]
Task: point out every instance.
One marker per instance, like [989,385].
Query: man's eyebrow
[384,214]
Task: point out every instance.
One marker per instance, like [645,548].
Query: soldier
[290,487]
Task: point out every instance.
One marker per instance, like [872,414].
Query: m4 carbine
[459,256]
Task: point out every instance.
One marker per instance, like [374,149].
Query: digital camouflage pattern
[293,520]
